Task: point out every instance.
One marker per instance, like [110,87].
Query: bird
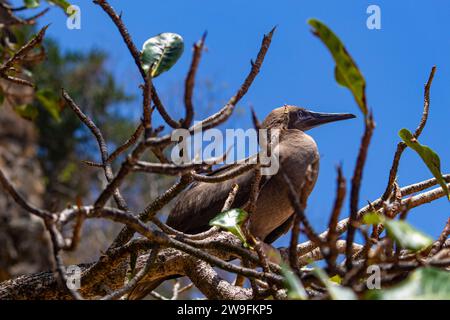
[273,215]
[297,151]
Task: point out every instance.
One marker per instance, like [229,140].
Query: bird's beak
[315,119]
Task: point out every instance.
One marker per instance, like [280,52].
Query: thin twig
[401,146]
[147,110]
[131,141]
[18,81]
[299,205]
[332,235]
[32,20]
[183,168]
[126,233]
[437,246]
[166,168]
[175,290]
[59,265]
[9,188]
[135,53]
[203,235]
[186,288]
[356,184]
[412,202]
[101,144]
[230,199]
[235,172]
[76,234]
[190,82]
[223,114]
[24,50]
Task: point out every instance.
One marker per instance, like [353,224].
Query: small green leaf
[60,3]
[422,284]
[27,111]
[373,218]
[231,221]
[161,52]
[50,102]
[346,71]
[30,4]
[406,235]
[428,156]
[336,291]
[401,231]
[336,279]
[295,289]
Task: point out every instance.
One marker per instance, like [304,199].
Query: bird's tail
[145,287]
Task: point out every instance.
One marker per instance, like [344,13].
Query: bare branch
[59,265]
[412,202]
[299,211]
[131,141]
[8,187]
[22,52]
[101,144]
[442,238]
[18,81]
[230,199]
[401,146]
[149,212]
[190,82]
[135,53]
[317,253]
[332,236]
[356,184]
[222,115]
[235,172]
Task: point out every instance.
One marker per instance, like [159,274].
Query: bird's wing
[281,230]
[203,201]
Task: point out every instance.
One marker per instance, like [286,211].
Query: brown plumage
[297,151]
[273,215]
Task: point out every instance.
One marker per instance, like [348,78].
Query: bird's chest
[298,160]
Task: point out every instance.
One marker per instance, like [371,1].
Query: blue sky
[298,70]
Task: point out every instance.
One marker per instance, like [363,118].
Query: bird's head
[292,117]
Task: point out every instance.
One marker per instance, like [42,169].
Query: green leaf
[31,3]
[161,52]
[27,111]
[406,235]
[428,156]
[336,279]
[346,71]
[401,231]
[231,221]
[422,284]
[60,3]
[50,102]
[295,289]
[336,291]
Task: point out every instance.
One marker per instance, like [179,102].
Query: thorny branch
[20,55]
[356,185]
[401,146]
